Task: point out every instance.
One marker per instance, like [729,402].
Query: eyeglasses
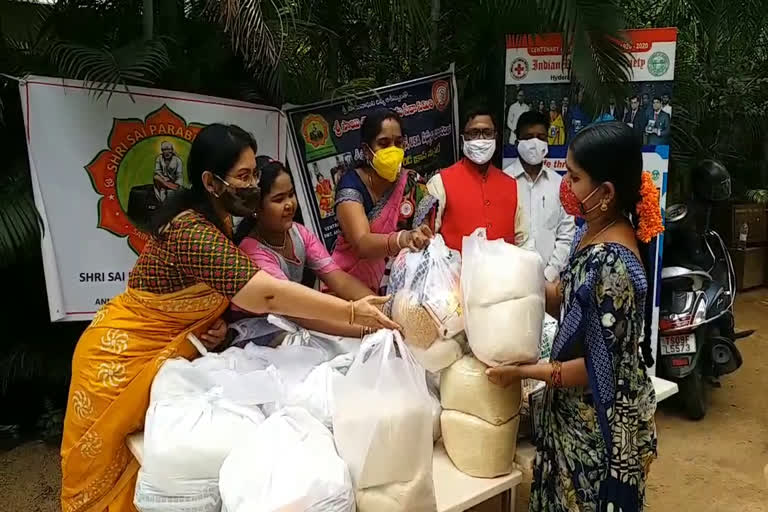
[480,134]
[239,183]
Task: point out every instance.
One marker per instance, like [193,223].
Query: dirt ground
[715,465]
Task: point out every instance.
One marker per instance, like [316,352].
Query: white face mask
[532,151]
[480,151]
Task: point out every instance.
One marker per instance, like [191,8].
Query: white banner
[95,161]
[539,59]
[537,77]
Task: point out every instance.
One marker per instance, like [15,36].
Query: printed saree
[596,444]
[113,366]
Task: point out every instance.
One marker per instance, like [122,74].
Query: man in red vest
[474,193]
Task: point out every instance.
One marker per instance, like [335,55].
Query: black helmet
[711,181]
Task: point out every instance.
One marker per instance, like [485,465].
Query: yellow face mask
[387,162]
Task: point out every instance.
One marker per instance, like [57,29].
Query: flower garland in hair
[648,210]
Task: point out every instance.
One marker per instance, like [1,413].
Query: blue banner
[326,140]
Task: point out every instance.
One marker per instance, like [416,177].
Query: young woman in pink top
[284,249]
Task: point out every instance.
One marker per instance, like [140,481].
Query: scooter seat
[689,272]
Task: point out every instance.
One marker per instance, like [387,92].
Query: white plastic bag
[437,408]
[188,495]
[186,440]
[425,286]
[290,464]
[382,418]
[503,290]
[192,436]
[241,379]
[315,394]
[293,362]
[331,345]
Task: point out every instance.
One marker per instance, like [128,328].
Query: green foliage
[759,196]
[19,220]
[106,70]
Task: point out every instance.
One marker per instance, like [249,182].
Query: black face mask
[239,201]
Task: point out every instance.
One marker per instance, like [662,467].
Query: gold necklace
[275,247]
[593,238]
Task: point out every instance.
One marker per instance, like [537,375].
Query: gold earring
[603,206]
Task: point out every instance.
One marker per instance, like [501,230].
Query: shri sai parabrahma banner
[95,163]
[325,141]
[537,77]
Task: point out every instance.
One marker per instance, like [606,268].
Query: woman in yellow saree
[187,275]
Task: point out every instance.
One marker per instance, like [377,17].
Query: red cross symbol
[519,69]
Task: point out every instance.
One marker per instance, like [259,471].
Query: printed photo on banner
[646,107]
[100,170]
[326,136]
[143,163]
[325,175]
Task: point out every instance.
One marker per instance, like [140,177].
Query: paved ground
[715,465]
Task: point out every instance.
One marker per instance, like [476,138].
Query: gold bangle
[351,312]
[557,374]
[390,251]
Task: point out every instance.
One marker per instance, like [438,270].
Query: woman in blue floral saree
[597,435]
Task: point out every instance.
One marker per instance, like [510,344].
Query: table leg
[510,500]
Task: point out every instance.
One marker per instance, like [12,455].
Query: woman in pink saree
[376,204]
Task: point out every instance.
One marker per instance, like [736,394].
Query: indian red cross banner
[98,165]
[537,77]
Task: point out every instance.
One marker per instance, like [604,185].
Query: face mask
[572,204]
[239,201]
[480,151]
[532,151]
[387,162]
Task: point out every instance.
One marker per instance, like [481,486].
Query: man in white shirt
[666,106]
[514,113]
[538,192]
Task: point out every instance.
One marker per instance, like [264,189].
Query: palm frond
[592,37]
[20,225]
[246,24]
[354,88]
[106,70]
[759,196]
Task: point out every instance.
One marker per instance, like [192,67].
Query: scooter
[698,287]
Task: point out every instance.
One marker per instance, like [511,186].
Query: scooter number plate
[682,344]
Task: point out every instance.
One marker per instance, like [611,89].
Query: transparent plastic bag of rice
[426,294]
